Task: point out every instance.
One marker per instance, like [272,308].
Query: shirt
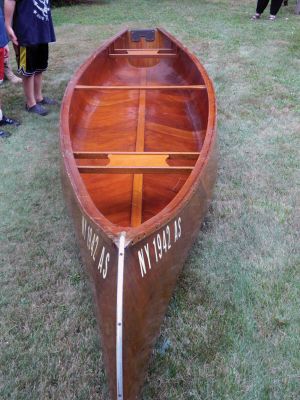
[32,22]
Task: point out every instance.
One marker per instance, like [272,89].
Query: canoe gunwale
[135,234]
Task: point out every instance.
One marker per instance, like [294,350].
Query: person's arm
[9,9]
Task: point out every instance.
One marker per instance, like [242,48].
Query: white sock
[1,114]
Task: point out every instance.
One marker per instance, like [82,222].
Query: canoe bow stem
[119,327]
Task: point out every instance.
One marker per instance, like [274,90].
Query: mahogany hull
[131,304]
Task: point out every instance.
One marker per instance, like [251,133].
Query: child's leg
[38,85]
[275,6]
[261,5]
[28,86]
[8,72]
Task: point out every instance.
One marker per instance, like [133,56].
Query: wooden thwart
[135,163]
[104,155]
[141,87]
[122,51]
[143,53]
[91,169]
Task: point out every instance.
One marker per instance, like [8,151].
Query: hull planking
[139,164]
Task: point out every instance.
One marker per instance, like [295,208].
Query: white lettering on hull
[92,242]
[161,244]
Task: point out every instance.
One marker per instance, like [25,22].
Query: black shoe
[4,134]
[47,102]
[9,121]
[37,109]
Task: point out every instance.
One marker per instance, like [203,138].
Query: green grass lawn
[232,330]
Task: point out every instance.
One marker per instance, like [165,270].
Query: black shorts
[32,59]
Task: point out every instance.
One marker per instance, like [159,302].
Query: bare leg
[38,84]
[28,86]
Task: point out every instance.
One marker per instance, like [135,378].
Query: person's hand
[12,35]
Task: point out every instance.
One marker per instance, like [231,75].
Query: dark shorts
[32,59]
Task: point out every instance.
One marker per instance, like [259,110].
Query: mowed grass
[232,328]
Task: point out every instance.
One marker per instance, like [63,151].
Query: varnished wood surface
[139,158]
[171,155]
[138,179]
[142,87]
[150,54]
[91,169]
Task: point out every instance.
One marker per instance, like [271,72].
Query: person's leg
[32,85]
[26,59]
[8,73]
[6,121]
[38,85]
[41,66]
[261,6]
[3,134]
[26,69]
[275,6]
[38,91]
[28,86]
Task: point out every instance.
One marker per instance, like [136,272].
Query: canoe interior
[171,122]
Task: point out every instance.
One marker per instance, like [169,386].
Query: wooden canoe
[138,145]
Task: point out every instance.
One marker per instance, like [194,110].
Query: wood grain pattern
[137,189]
[139,159]
[133,169]
[142,87]
[171,155]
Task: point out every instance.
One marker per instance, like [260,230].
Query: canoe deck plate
[148,34]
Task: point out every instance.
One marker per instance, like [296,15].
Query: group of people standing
[28,24]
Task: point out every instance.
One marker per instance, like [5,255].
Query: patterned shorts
[32,59]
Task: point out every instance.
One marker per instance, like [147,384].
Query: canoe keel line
[139,161]
[119,307]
